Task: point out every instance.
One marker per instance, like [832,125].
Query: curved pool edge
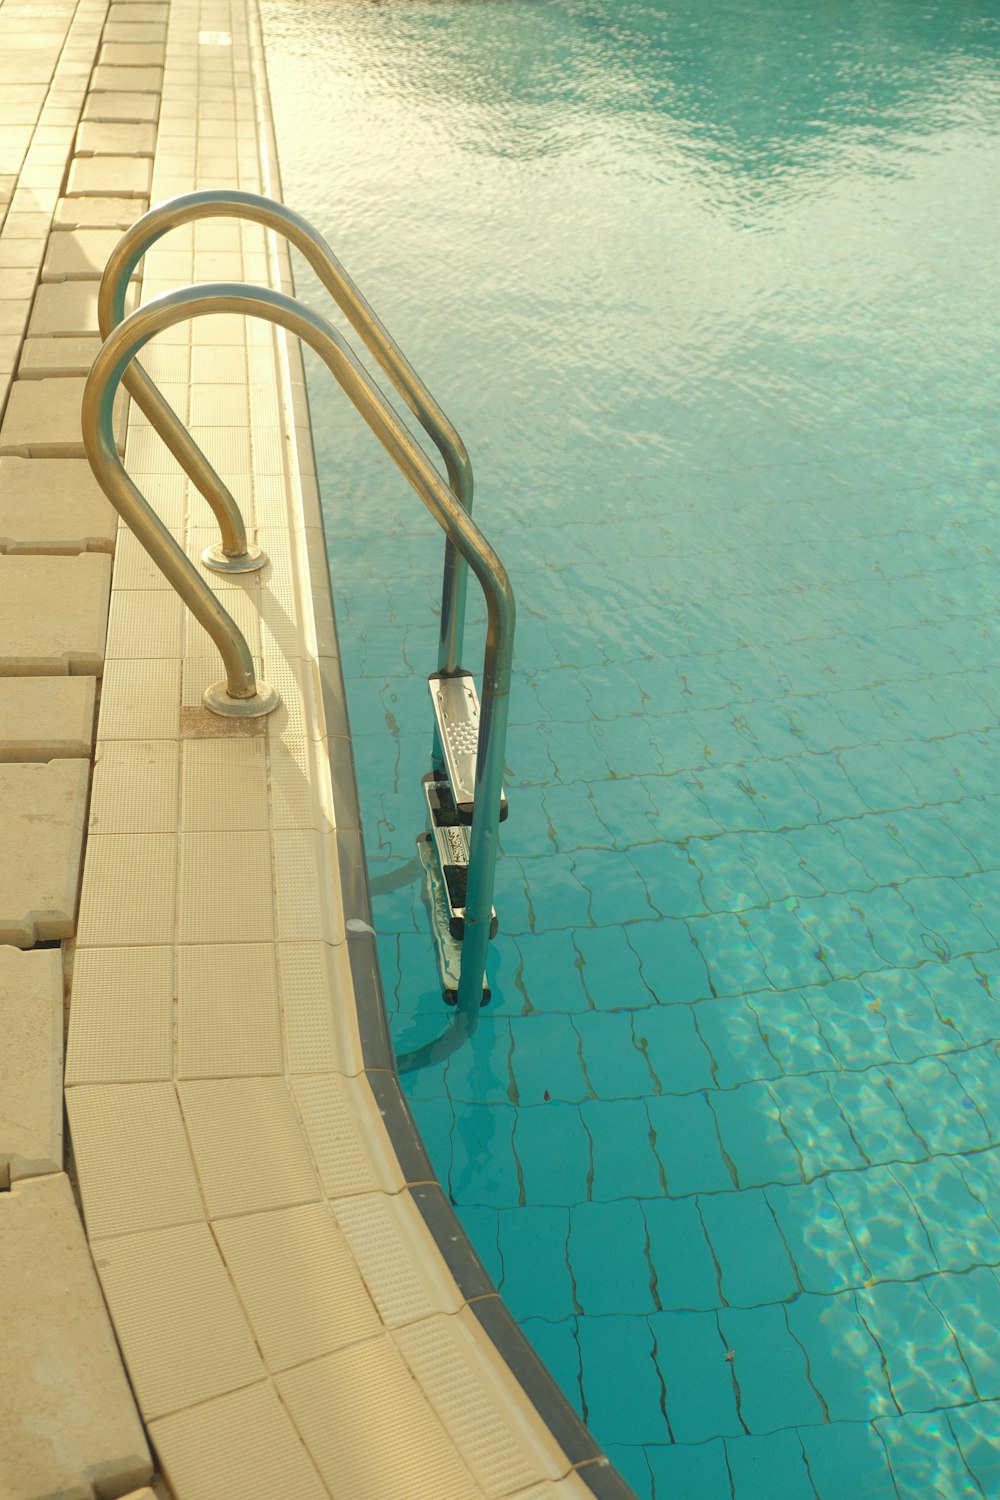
[282,1268]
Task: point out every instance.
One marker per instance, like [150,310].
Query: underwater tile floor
[721,341]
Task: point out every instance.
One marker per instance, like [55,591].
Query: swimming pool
[710,293]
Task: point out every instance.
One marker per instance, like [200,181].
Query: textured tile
[67,1410]
[331,1401]
[31,1002]
[140,700]
[135,787]
[42,811]
[321,1033]
[346,1135]
[300,1287]
[307,888]
[46,718]
[237,1447]
[223,786]
[404,1269]
[248,1145]
[225,891]
[133,1158]
[228,1018]
[122,1019]
[502,1440]
[128,890]
[182,1329]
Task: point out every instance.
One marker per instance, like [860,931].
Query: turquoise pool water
[711,293]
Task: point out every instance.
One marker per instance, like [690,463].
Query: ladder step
[451,842]
[449,948]
[456,709]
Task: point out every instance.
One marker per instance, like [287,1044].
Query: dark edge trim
[483,1300]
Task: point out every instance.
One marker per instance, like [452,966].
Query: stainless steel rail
[239,691]
[258,210]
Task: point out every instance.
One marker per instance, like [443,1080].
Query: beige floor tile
[346,1135]
[135,787]
[67,1411]
[182,1330]
[398,1258]
[46,718]
[501,1438]
[42,810]
[140,700]
[128,890]
[321,1032]
[132,1157]
[228,1018]
[225,891]
[295,1277]
[122,1020]
[31,1003]
[109,177]
[238,1447]
[332,1401]
[53,505]
[248,1145]
[223,786]
[69,635]
[145,623]
[134,568]
[42,358]
[243,607]
[43,416]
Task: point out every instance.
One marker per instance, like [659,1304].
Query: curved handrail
[105,376]
[300,233]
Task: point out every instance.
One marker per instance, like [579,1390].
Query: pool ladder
[464,790]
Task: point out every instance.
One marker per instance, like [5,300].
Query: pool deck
[183,903]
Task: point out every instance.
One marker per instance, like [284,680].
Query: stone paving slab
[126,138]
[46,718]
[68,635]
[68,1423]
[42,812]
[43,416]
[121,105]
[109,176]
[42,358]
[79,254]
[68,309]
[97,213]
[53,505]
[31,1003]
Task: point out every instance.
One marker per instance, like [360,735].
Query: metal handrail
[105,376]
[300,233]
